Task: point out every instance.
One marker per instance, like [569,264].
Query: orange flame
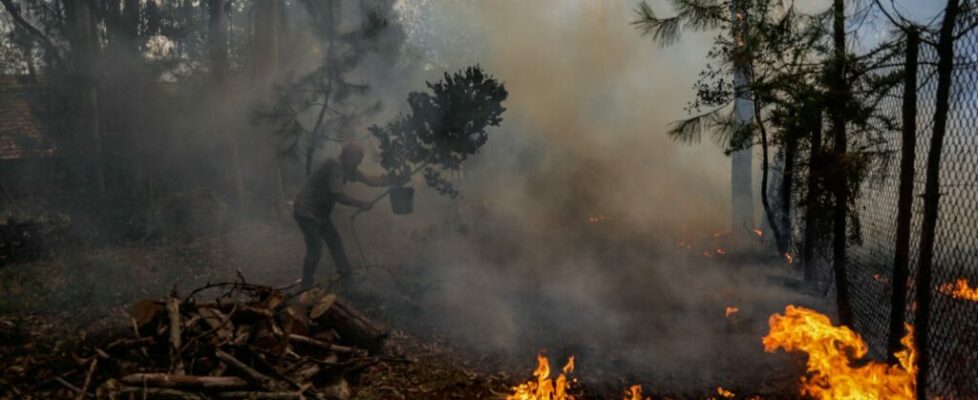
[635,393]
[725,393]
[545,388]
[831,370]
[731,311]
[960,289]
[789,257]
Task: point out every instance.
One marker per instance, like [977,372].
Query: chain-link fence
[953,339]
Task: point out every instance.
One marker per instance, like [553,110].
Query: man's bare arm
[348,200]
[378,180]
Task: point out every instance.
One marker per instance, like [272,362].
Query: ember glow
[731,311]
[789,257]
[725,393]
[960,289]
[545,388]
[835,366]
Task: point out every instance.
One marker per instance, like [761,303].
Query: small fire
[789,257]
[635,393]
[545,388]
[725,393]
[731,311]
[960,289]
[832,354]
[758,232]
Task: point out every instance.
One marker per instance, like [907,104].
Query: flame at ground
[635,393]
[960,289]
[545,388]
[830,366]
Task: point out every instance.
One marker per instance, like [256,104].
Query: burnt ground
[655,336]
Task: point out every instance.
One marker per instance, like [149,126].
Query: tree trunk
[218,48]
[901,271]
[84,50]
[839,96]
[266,66]
[741,193]
[787,185]
[267,34]
[815,173]
[945,68]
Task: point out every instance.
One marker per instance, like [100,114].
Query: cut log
[322,345]
[353,327]
[260,395]
[155,393]
[258,378]
[186,382]
[173,312]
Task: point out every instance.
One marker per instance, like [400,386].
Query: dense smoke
[566,236]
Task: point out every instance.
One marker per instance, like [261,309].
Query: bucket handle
[386,192]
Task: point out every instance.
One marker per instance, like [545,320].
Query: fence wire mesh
[954,319]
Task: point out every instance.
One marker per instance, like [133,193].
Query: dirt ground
[675,348]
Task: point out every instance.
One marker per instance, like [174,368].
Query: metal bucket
[402,200]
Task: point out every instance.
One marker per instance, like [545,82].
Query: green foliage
[445,126]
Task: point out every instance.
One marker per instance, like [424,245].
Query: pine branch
[690,130]
[697,15]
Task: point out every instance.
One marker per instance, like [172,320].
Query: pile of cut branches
[250,342]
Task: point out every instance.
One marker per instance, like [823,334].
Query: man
[314,203]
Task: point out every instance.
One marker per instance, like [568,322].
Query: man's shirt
[318,195]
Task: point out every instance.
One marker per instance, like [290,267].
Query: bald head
[351,155]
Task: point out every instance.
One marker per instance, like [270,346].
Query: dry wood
[145,392]
[185,381]
[251,374]
[127,343]
[323,345]
[88,379]
[68,385]
[354,327]
[173,312]
[259,395]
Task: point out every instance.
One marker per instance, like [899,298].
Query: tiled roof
[21,133]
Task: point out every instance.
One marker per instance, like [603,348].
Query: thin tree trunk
[839,97]
[901,272]
[741,198]
[787,185]
[773,222]
[84,50]
[815,171]
[218,47]
[945,68]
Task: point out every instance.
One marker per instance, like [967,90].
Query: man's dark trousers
[316,231]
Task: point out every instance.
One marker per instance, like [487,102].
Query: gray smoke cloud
[565,238]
